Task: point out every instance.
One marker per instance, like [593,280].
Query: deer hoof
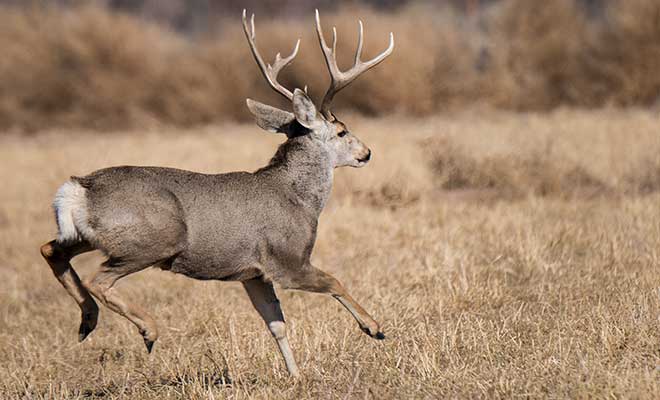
[149,344]
[87,325]
[149,336]
[378,335]
[83,332]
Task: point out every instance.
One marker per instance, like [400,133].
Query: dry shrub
[95,68]
[553,53]
[624,61]
[392,194]
[84,67]
[90,67]
[509,175]
[645,177]
[538,47]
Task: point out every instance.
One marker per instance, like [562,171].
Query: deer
[258,227]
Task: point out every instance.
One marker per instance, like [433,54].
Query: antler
[269,72]
[339,79]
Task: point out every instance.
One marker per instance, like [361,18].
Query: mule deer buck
[257,228]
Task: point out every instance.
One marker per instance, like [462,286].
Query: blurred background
[118,64]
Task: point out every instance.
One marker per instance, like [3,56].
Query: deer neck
[306,169]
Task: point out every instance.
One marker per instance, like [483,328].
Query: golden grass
[89,67]
[481,294]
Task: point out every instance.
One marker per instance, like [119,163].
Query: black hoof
[82,335]
[88,322]
[149,344]
[84,331]
[378,335]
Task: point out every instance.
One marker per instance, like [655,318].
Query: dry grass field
[506,255]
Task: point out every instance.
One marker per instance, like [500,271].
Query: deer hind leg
[264,300]
[58,256]
[312,279]
[101,286]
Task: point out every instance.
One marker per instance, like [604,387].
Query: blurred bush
[513,175]
[88,66]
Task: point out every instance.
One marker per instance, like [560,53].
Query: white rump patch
[70,206]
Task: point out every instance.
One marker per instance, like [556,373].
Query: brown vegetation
[90,67]
[510,175]
[488,285]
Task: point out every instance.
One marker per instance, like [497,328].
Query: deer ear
[304,110]
[270,118]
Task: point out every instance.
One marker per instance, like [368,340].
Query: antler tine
[334,41]
[358,50]
[269,72]
[340,79]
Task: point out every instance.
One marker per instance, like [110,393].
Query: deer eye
[342,134]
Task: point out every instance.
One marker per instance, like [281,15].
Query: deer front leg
[265,301]
[312,279]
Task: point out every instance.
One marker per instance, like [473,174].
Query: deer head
[344,148]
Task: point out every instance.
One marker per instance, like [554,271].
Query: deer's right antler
[269,72]
[340,79]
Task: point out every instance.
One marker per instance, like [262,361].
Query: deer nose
[367,157]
